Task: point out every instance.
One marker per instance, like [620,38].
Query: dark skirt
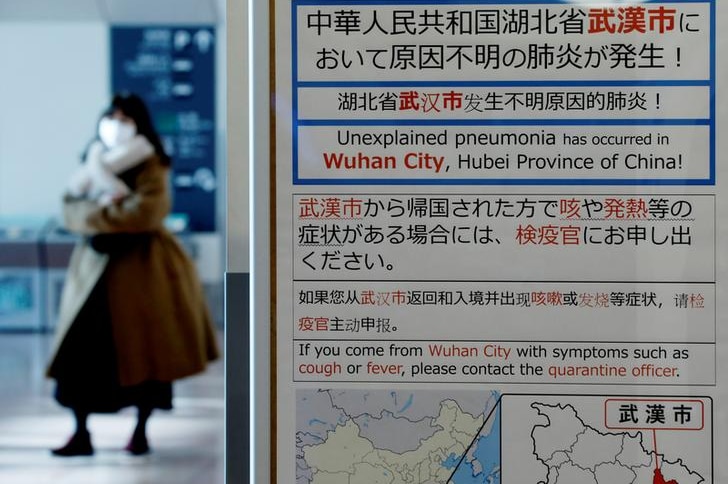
[86,371]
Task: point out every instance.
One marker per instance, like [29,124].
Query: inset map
[606,440]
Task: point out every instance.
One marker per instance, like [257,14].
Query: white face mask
[114,132]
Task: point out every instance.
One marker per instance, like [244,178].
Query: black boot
[138,445]
[78,444]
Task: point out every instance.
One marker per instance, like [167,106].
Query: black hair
[132,106]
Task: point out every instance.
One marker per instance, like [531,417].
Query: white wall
[54,82]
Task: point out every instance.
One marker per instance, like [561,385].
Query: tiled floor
[187,443]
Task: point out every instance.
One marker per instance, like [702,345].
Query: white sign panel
[498,233]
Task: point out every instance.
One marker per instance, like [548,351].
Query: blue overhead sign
[173,69]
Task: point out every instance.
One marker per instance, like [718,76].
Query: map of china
[347,457]
[574,453]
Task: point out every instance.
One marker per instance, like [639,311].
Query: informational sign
[173,69]
[497,243]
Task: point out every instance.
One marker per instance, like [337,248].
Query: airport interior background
[60,62]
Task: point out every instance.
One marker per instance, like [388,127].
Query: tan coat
[160,322]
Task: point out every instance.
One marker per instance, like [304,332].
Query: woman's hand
[107,199]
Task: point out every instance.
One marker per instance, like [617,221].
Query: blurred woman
[133,316]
